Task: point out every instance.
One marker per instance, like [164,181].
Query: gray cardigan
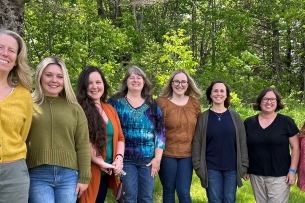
[199,147]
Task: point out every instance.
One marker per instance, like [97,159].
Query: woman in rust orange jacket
[106,137]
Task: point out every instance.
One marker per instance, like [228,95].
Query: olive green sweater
[59,136]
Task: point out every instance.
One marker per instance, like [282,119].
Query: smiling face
[268,103]
[52,80]
[95,87]
[218,93]
[135,83]
[179,84]
[8,53]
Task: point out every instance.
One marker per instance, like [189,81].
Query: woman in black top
[272,170]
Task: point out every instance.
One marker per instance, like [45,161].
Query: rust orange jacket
[89,196]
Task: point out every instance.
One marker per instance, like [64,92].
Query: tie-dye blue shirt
[143,128]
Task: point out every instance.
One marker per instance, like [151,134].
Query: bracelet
[292,170]
[119,160]
[120,155]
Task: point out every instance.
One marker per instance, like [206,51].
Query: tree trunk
[276,50]
[11,15]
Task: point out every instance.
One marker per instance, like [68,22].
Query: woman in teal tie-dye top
[143,127]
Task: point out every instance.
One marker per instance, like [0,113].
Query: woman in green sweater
[58,142]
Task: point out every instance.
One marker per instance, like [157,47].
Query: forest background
[250,44]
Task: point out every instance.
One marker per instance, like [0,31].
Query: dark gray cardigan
[199,147]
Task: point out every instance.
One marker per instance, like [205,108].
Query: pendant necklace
[219,119]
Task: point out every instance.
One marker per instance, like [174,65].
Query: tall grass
[244,194]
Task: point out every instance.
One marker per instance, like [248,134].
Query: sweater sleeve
[197,143]
[82,148]
[243,143]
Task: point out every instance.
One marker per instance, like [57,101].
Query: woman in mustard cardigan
[16,109]
[106,137]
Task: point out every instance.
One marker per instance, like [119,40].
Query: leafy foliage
[249,44]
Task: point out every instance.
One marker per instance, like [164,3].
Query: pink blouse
[301,170]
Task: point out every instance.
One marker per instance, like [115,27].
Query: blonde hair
[192,90]
[67,92]
[21,72]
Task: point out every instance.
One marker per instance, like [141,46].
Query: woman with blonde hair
[16,109]
[180,110]
[143,128]
[58,143]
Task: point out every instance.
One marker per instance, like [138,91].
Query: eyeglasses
[182,82]
[265,100]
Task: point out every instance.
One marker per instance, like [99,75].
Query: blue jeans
[139,185]
[49,184]
[221,186]
[176,174]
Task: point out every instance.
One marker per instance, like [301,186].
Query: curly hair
[96,124]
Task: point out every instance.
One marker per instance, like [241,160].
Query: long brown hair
[96,124]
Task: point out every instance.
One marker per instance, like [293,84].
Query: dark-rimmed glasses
[265,100]
[182,82]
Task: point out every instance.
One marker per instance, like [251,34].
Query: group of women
[56,146]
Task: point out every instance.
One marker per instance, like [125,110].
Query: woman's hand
[246,177]
[80,188]
[118,165]
[291,178]
[107,168]
[155,166]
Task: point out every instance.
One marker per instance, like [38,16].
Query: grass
[244,194]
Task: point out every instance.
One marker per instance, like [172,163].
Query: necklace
[219,119]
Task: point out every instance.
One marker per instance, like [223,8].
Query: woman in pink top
[301,170]
[180,111]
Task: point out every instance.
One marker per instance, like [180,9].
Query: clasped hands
[116,166]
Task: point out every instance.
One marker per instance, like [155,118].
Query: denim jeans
[14,182]
[49,184]
[139,185]
[221,186]
[176,174]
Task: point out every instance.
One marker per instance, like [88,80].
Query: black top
[221,142]
[268,149]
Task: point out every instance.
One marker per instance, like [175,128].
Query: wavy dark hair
[210,88]
[146,92]
[96,124]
